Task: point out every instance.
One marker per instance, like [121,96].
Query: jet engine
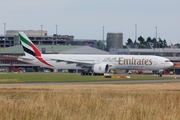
[101,68]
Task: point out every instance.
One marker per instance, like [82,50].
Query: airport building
[165,52]
[114,40]
[41,37]
[10,48]
[9,55]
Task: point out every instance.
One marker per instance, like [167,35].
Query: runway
[98,82]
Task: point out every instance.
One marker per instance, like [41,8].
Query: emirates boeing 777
[97,63]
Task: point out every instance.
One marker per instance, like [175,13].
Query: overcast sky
[84,18]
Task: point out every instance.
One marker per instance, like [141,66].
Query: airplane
[98,64]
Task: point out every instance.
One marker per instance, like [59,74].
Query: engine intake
[101,68]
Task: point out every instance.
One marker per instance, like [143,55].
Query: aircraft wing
[77,62]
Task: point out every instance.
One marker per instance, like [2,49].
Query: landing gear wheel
[160,75]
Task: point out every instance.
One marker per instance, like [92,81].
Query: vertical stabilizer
[29,48]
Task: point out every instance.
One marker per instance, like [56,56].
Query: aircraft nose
[171,64]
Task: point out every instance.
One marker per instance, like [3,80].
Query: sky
[84,19]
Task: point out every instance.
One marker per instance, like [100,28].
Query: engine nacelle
[101,68]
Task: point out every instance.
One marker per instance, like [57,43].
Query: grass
[91,102]
[65,77]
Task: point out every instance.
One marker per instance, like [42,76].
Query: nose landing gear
[160,74]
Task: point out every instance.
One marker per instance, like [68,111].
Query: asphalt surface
[97,82]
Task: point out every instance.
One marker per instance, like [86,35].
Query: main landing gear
[90,73]
[160,74]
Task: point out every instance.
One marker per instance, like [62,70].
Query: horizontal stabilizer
[25,58]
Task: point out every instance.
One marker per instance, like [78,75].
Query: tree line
[148,43]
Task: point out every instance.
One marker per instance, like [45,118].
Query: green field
[67,77]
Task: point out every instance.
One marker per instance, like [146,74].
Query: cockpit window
[167,61]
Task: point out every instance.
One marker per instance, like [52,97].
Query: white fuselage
[121,62]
